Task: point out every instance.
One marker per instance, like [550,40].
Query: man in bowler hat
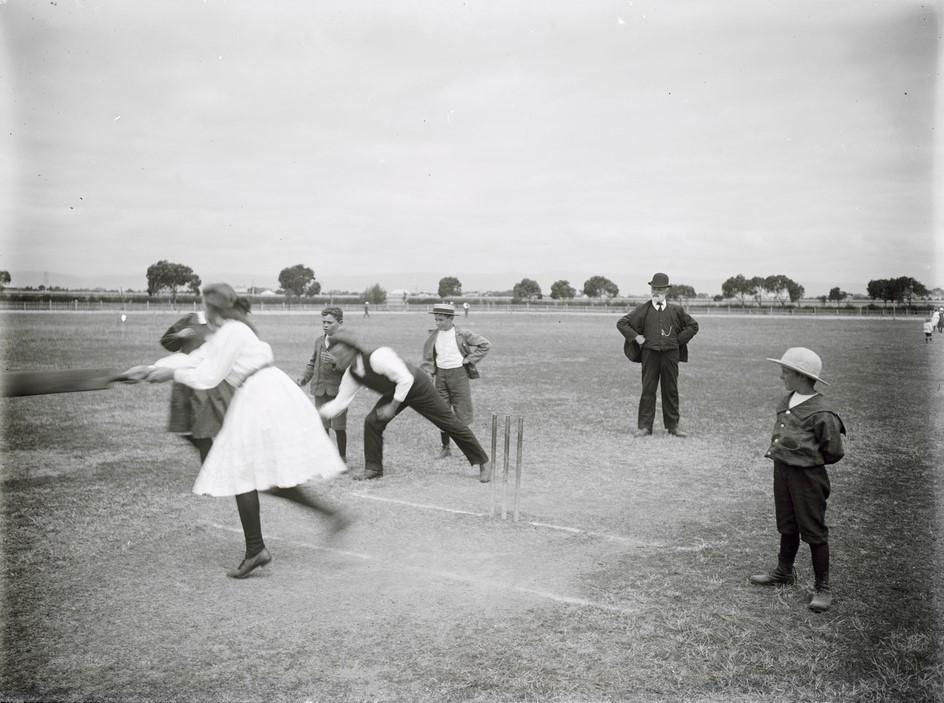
[663,331]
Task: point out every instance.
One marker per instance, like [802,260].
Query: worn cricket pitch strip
[545,525]
[446,575]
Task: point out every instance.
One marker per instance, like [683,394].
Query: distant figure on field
[660,334]
[325,377]
[807,436]
[450,355]
[928,330]
[400,385]
[937,320]
[465,309]
[366,308]
[195,414]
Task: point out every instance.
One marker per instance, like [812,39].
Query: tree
[598,286]
[783,288]
[526,289]
[562,290]
[165,274]
[375,295]
[879,289]
[450,287]
[736,287]
[4,279]
[314,288]
[194,284]
[837,295]
[901,289]
[795,291]
[680,291]
[755,288]
[906,288]
[295,279]
[776,286]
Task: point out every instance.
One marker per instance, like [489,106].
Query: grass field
[626,579]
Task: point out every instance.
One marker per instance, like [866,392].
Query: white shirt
[384,361]
[796,399]
[448,355]
[229,354]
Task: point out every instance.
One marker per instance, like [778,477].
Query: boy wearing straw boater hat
[450,355]
[807,436]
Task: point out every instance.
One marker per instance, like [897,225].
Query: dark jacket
[321,371]
[682,328]
[172,343]
[808,434]
[472,346]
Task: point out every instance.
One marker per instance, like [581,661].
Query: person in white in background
[450,355]
[272,438]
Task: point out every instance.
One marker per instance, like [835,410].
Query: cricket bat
[20,383]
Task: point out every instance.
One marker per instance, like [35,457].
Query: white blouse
[230,354]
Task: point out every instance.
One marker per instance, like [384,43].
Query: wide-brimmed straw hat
[802,360]
[443,309]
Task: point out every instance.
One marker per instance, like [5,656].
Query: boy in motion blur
[400,385]
[807,436]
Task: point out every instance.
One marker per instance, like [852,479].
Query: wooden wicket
[505,468]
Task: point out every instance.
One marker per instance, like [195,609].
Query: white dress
[272,434]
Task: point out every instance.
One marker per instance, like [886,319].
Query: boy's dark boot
[822,598]
[783,575]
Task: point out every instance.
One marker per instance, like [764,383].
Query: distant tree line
[299,281]
[781,288]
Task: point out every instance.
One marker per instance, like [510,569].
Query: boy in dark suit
[325,377]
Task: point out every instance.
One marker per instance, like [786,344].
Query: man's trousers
[659,369]
[424,399]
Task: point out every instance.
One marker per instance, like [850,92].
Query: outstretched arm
[347,389]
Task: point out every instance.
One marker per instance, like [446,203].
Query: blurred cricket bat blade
[20,383]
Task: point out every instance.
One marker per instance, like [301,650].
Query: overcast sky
[551,137]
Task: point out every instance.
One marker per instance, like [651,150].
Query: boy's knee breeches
[800,495]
